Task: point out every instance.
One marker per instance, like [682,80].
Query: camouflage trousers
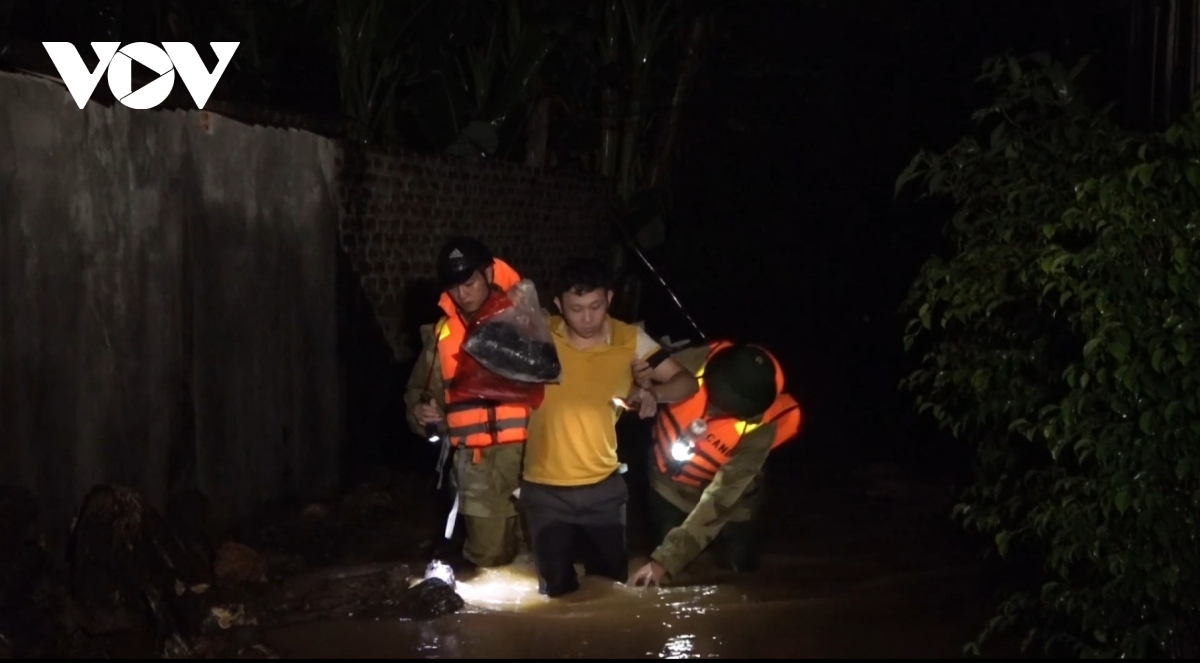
[493,540]
[736,548]
[485,481]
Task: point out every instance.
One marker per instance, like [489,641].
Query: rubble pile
[136,583]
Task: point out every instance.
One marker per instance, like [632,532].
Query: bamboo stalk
[696,43]
[611,111]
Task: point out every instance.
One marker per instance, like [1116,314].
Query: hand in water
[651,574]
[427,413]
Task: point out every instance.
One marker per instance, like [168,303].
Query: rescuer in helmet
[708,455]
[487,437]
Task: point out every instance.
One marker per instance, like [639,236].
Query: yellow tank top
[573,435]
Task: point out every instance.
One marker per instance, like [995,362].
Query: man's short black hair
[579,276]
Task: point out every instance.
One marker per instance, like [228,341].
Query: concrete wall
[167,303]
[169,289]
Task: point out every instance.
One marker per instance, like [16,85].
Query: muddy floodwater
[872,569]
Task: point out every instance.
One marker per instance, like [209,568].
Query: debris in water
[237,563]
[124,558]
[428,599]
[440,570]
[229,616]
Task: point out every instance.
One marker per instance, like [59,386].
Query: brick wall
[397,209]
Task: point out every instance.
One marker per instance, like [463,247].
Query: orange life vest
[477,423]
[724,432]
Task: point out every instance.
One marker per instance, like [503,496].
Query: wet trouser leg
[585,520]
[522,535]
[604,550]
[491,541]
[737,544]
[485,479]
[663,517]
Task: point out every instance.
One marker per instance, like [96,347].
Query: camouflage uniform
[494,533]
[688,519]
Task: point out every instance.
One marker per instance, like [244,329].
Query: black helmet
[459,259]
[740,381]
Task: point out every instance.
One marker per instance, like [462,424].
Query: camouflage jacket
[485,487]
[735,493]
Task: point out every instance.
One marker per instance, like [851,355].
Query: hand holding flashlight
[429,416]
[645,400]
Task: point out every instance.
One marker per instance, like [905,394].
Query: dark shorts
[576,523]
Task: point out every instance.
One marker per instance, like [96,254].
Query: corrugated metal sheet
[167,303]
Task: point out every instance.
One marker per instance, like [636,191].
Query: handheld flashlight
[683,451]
[432,433]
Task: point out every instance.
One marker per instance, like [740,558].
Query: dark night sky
[810,239]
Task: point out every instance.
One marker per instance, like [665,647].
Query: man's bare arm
[673,383]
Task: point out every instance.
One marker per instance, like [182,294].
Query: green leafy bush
[1060,340]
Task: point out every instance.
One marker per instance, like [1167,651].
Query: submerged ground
[857,566]
[858,563]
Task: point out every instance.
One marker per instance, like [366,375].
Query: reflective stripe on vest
[724,433]
[478,424]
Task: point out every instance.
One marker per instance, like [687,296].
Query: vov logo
[118,61]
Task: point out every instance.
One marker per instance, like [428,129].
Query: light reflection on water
[514,588]
[679,646]
[858,580]
[788,610]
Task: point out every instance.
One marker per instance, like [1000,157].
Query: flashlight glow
[682,451]
[620,403]
[514,587]
[684,447]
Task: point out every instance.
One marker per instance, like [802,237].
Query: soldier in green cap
[708,454]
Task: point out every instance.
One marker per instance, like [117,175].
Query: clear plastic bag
[511,338]
[508,354]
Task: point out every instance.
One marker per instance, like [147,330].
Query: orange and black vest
[724,432]
[477,423]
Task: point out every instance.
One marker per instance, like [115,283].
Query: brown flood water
[844,576]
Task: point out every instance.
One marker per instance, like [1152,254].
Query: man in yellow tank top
[572,494]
